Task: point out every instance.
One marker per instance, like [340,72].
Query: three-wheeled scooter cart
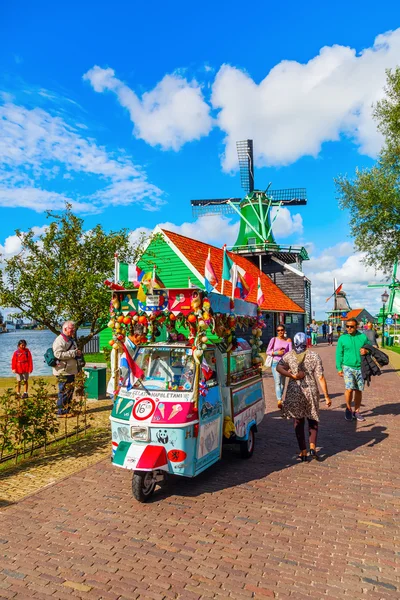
[178,400]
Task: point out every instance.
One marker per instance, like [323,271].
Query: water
[37,341]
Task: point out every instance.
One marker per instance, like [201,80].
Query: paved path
[264,528]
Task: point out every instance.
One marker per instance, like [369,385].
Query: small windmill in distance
[393,307]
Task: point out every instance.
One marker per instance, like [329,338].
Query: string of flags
[242,282]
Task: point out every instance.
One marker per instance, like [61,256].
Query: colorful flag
[243,283]
[148,282]
[209,274]
[260,294]
[206,370]
[228,267]
[129,273]
[134,368]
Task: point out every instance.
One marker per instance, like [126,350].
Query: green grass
[394,348]
[61,447]
[97,357]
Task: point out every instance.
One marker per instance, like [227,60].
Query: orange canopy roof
[196,253]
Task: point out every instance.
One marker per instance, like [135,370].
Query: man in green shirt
[349,350]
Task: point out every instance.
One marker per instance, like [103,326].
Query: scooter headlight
[140,434]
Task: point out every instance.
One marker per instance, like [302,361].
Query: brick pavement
[264,528]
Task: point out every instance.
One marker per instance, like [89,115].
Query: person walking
[308,335]
[339,330]
[66,352]
[303,367]
[330,334]
[349,350]
[277,348]
[324,329]
[371,335]
[22,366]
[314,333]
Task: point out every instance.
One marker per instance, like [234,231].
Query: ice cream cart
[184,397]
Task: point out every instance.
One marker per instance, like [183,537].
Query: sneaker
[348,415]
[359,417]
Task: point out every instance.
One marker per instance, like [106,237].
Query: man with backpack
[66,354]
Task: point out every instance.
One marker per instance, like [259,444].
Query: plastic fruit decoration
[196,302]
[172,317]
[206,305]
[115,301]
[127,320]
[111,323]
[143,320]
[197,354]
[192,318]
[120,319]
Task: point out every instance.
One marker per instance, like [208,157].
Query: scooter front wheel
[143,485]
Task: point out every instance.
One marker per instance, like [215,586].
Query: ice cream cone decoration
[161,408]
[175,410]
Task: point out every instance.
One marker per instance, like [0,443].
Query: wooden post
[116,371]
[228,367]
[196,385]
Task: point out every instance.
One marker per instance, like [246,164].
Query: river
[37,341]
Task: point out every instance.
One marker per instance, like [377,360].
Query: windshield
[165,368]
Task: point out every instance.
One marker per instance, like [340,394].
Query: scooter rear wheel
[247,447]
[143,485]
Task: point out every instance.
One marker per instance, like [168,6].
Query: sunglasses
[350,326]
[278,330]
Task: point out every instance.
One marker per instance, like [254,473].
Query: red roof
[196,253]
[353,314]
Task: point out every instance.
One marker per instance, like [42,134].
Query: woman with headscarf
[303,366]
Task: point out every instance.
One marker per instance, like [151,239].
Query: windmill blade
[290,196]
[246,164]
[214,206]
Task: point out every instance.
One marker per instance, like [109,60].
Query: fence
[93,346]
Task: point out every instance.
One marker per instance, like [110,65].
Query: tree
[60,275]
[373,195]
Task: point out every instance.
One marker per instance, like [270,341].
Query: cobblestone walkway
[264,528]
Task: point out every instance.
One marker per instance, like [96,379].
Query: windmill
[393,306]
[254,210]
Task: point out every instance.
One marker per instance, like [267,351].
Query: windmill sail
[246,164]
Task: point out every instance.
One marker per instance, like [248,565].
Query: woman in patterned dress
[303,366]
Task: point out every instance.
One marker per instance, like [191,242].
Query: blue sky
[129,111]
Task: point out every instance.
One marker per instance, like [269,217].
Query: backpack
[49,358]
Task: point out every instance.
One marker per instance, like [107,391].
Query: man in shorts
[349,351]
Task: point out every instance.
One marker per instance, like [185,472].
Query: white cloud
[215,230]
[170,115]
[12,244]
[340,262]
[218,229]
[297,107]
[37,146]
[285,223]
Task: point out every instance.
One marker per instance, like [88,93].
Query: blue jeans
[279,381]
[64,393]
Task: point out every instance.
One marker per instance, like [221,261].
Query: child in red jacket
[22,365]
